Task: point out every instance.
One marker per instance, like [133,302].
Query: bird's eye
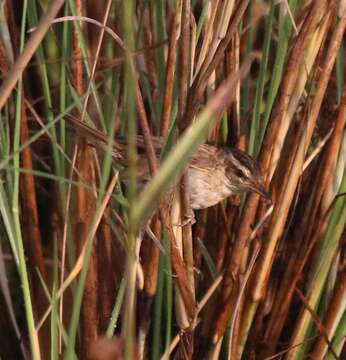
[239,173]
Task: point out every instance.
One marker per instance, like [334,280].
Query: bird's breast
[207,188]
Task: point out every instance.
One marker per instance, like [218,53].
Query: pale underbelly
[205,190]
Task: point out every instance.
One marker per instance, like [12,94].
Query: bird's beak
[260,189]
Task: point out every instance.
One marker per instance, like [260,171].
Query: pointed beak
[260,189]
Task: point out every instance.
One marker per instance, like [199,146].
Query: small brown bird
[213,173]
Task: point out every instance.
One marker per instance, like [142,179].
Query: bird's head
[244,173]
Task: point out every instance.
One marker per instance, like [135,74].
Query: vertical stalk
[130,112]
[33,337]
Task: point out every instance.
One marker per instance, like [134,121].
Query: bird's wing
[206,157]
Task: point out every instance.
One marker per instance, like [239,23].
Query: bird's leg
[188,218]
[187,215]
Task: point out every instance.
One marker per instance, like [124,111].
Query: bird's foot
[187,220]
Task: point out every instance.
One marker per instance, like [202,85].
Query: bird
[213,173]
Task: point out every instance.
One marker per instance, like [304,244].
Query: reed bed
[82,276]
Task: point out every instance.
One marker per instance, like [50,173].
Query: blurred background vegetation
[80,276]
